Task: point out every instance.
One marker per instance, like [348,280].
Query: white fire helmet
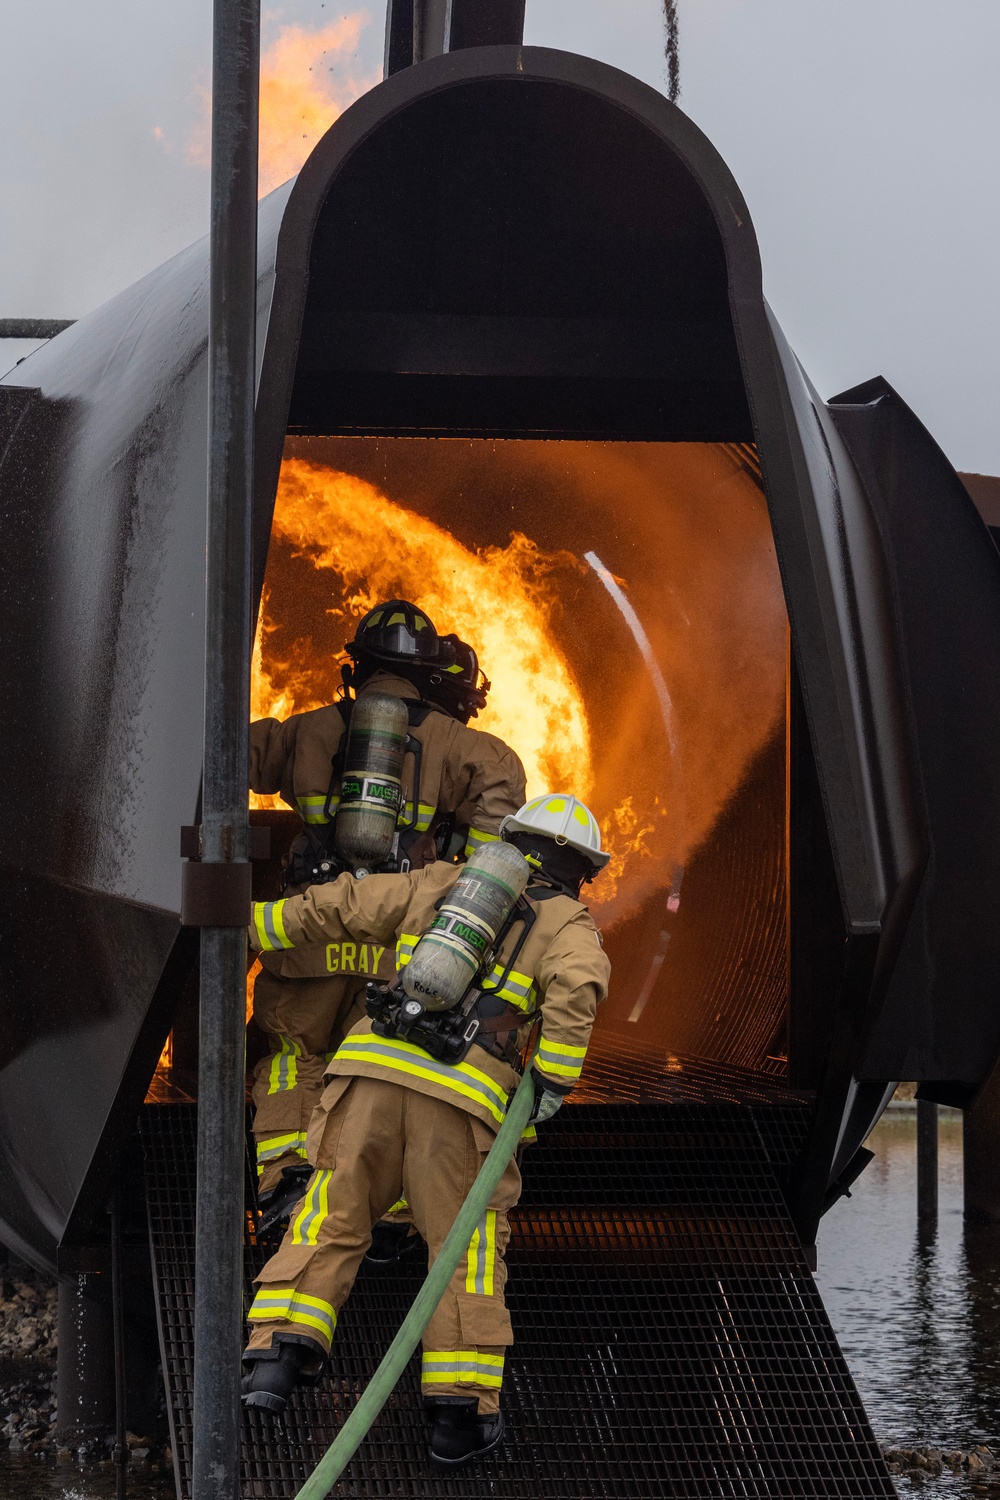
[562,818]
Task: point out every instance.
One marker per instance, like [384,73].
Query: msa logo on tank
[353,958]
[449,923]
[382,793]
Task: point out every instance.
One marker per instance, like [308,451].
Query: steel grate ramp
[670,1338]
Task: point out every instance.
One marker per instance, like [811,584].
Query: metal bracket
[260,841]
[219,893]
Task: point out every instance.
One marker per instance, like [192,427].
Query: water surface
[917,1314]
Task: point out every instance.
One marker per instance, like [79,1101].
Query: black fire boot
[390,1242]
[278,1203]
[460,1434]
[272,1374]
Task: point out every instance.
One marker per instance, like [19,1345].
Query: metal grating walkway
[670,1338]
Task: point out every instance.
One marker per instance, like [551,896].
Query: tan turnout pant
[304,1021]
[372,1141]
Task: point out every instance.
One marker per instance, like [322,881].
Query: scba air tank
[452,950]
[371,784]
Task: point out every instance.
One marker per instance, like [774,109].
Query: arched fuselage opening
[518,398]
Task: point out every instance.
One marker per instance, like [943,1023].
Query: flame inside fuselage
[499,599]
[571,691]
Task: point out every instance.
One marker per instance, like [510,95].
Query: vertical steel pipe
[85,1374]
[120,1453]
[927,1161]
[981,1154]
[225,835]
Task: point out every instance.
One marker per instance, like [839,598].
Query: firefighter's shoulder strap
[417,710]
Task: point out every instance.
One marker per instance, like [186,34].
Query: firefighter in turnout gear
[412,1106]
[452,785]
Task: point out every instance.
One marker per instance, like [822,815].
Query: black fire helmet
[393,634]
[399,637]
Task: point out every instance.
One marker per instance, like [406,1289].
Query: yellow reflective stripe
[399,1204]
[562,1050]
[316,1205]
[476,840]
[560,1060]
[274,1303]
[402,1057]
[425,815]
[405,944]
[284,1071]
[462,1366]
[270,1146]
[269,923]
[313,809]
[481,1260]
[472,1259]
[517,989]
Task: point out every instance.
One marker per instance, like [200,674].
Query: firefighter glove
[547,1098]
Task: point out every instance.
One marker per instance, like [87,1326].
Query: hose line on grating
[397,1357]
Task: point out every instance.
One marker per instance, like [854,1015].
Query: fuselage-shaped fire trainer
[543,261]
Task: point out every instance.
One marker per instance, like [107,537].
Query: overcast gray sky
[864,134]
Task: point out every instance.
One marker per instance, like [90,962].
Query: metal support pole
[85,1380]
[120,1454]
[927,1161]
[981,1155]
[224,827]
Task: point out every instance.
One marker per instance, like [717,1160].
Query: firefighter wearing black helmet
[458,783]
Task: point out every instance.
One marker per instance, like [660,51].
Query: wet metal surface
[917,1313]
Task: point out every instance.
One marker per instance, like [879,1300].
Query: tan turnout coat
[561,972]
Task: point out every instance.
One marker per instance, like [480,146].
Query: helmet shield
[395,632]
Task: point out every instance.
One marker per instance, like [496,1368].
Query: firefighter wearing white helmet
[416,1102]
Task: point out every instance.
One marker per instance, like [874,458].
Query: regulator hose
[383,1382]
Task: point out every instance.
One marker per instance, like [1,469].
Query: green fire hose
[383,1382]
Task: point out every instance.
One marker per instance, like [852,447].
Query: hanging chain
[672,51]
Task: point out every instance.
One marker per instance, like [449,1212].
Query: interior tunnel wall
[523,261]
[498,541]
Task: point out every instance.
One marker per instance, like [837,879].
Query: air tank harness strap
[383,1382]
[502,1033]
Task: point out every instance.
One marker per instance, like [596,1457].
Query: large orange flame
[307,80]
[499,599]
[573,691]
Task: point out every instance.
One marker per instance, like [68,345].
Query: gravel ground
[27,1358]
[28,1378]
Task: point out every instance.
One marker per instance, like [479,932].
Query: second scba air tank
[452,953]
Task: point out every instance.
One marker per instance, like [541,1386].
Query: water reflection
[917,1311]
[26,1477]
